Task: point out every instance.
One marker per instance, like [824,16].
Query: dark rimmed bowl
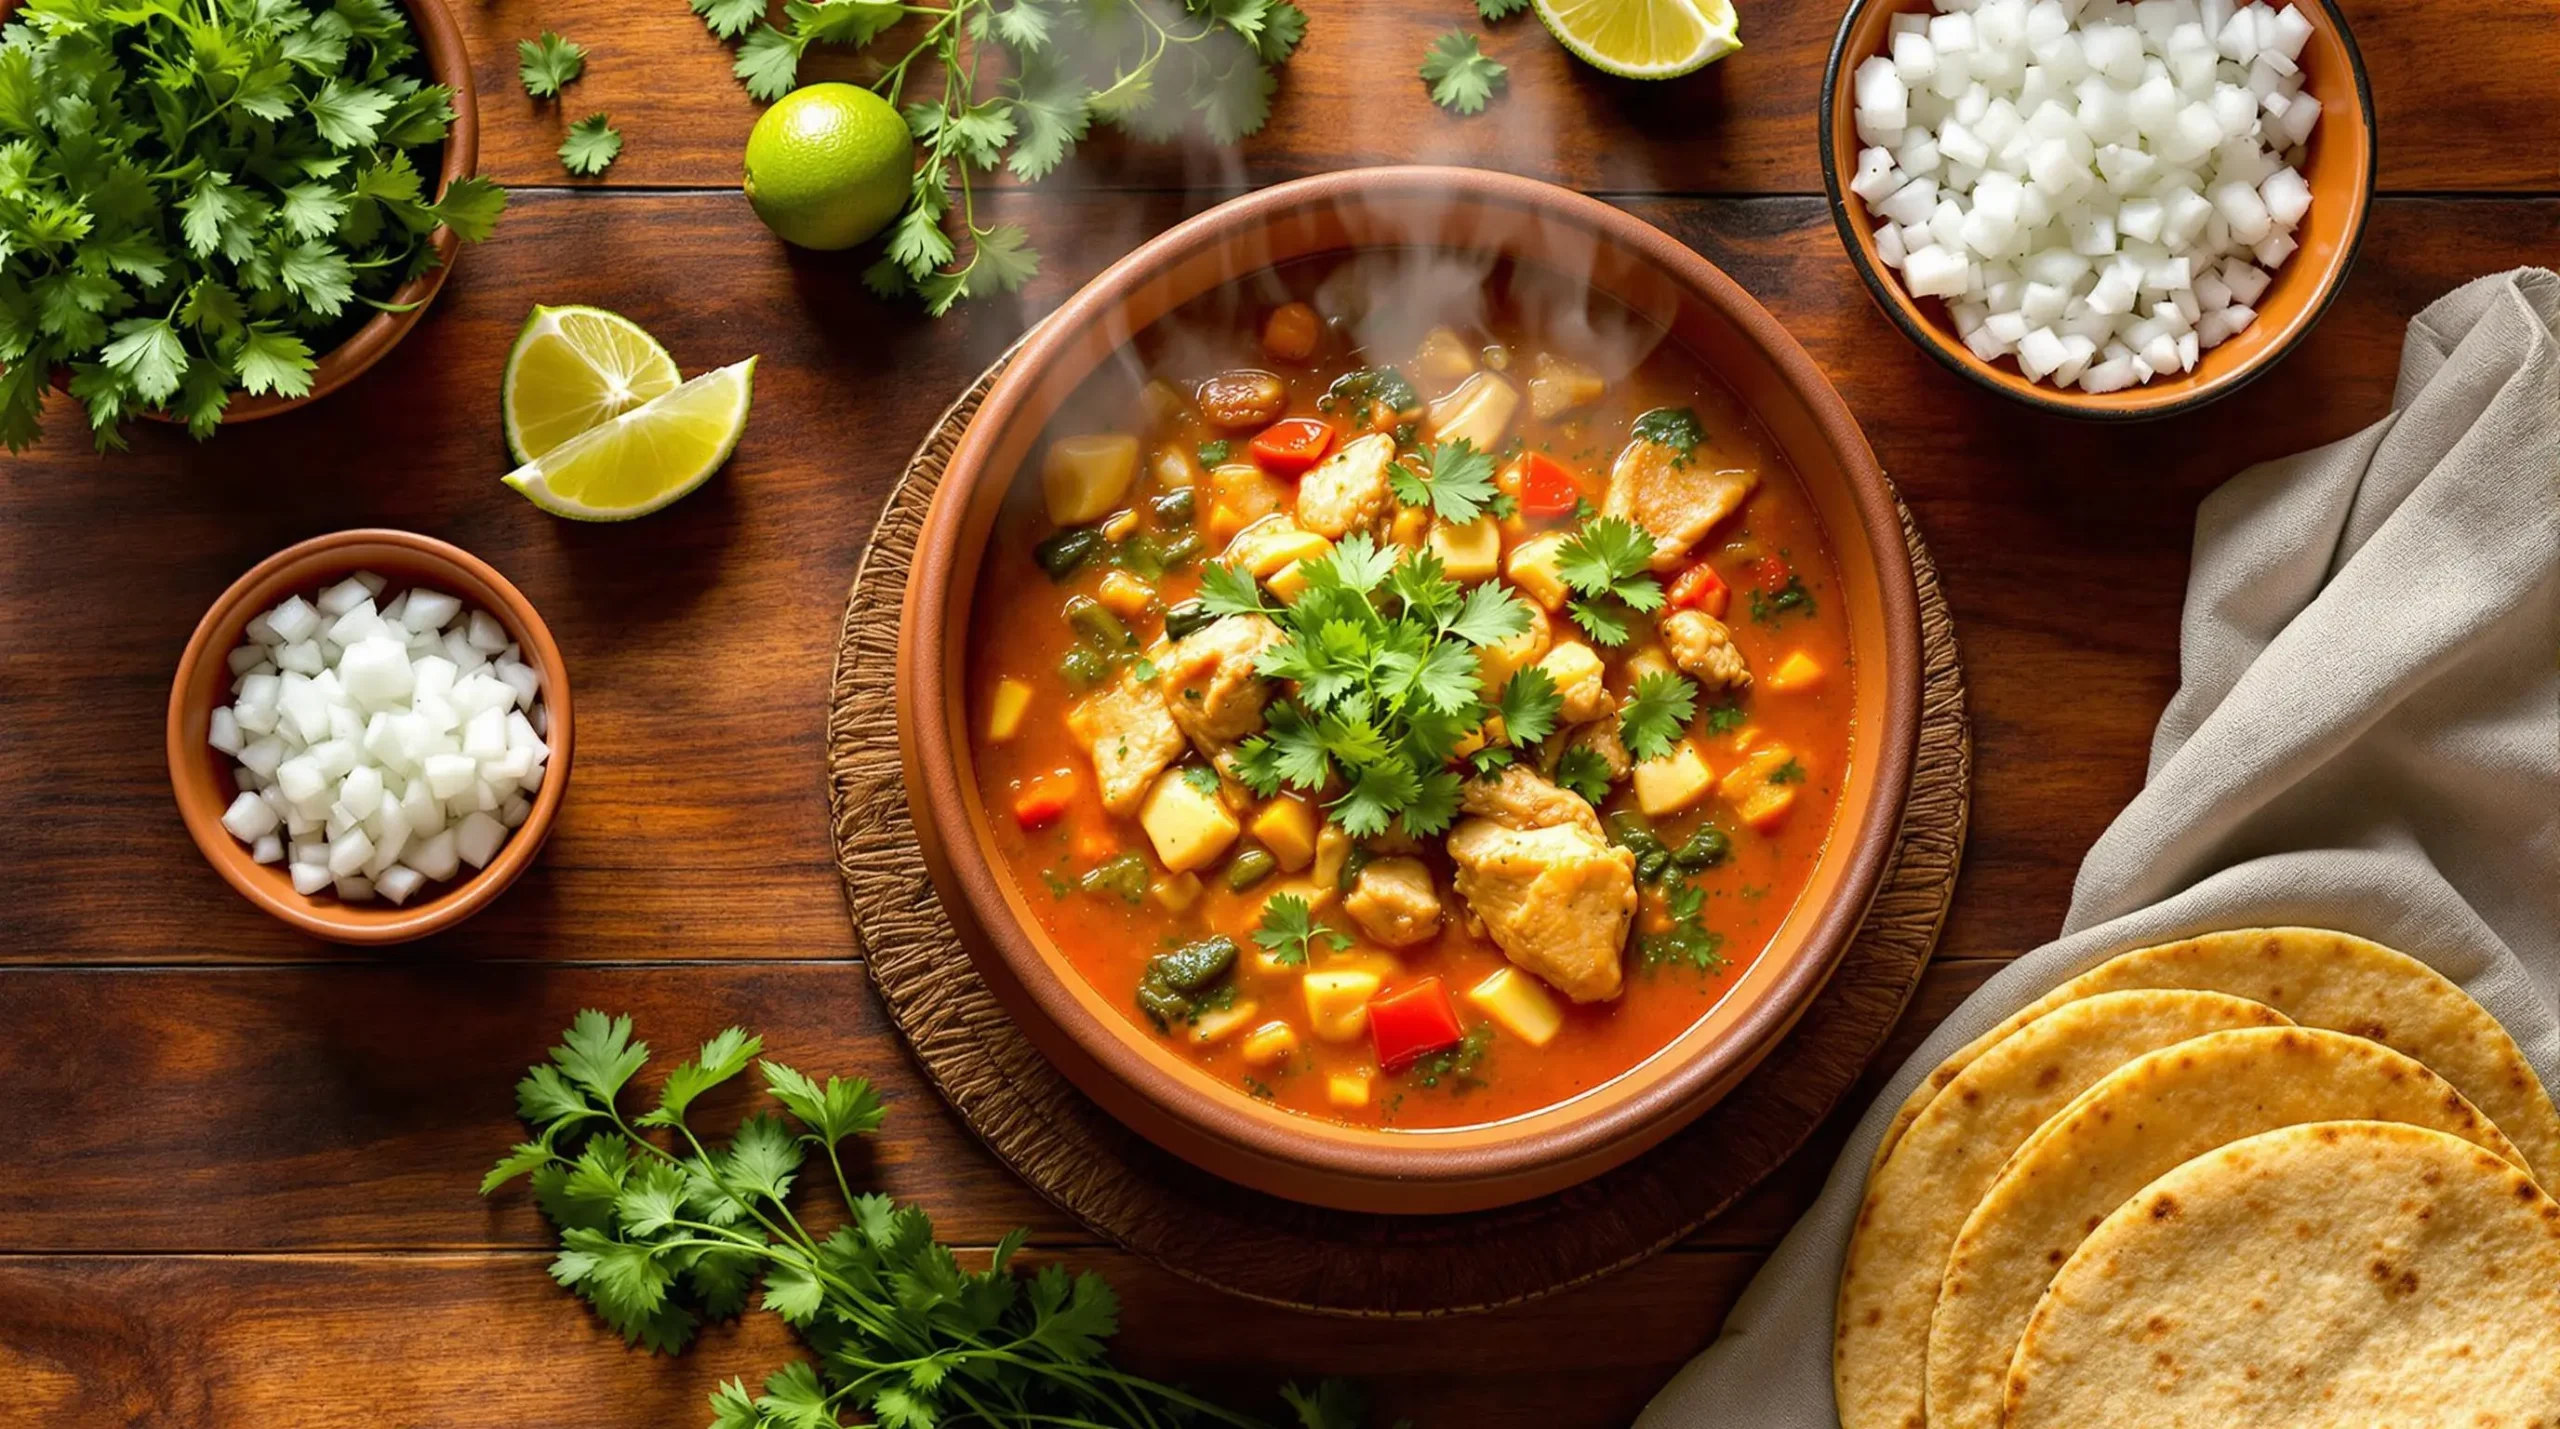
[2341,169]
[1150,1087]
[201,774]
[448,60]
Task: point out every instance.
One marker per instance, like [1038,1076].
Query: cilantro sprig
[1608,566]
[1688,942]
[591,146]
[1380,649]
[196,200]
[1153,71]
[1655,713]
[1585,771]
[549,64]
[1455,481]
[1289,931]
[1463,78]
[662,1228]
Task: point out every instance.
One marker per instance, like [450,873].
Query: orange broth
[1773,539]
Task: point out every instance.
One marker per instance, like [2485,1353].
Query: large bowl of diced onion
[404,764]
[2100,209]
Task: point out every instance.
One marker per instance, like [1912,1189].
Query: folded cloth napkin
[2366,737]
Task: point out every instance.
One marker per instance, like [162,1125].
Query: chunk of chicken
[1701,645]
[1130,736]
[1556,900]
[1518,797]
[1348,491]
[1581,681]
[1676,496]
[1394,902]
[1209,681]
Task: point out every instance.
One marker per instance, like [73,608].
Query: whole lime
[828,166]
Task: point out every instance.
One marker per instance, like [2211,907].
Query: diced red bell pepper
[1290,446]
[1041,805]
[1410,1023]
[1547,487]
[1700,588]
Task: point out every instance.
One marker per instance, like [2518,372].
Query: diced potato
[1263,548]
[1799,671]
[1122,525]
[1348,1090]
[1287,827]
[1580,679]
[1270,1044]
[1674,781]
[1175,467]
[1759,788]
[1443,357]
[1222,522]
[1520,1005]
[1177,893]
[1125,595]
[1498,662]
[1479,411]
[1472,552]
[1244,486]
[1338,1002]
[1189,828]
[1557,386]
[1005,709]
[1219,1025]
[1290,581]
[1165,404]
[1534,568]
[1333,850]
[1411,526]
[1082,478]
[1646,660]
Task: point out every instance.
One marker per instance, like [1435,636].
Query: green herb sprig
[195,199]
[1455,481]
[661,1229]
[1608,566]
[1289,931]
[1381,648]
[1066,66]
[1688,942]
[1463,78]
[549,64]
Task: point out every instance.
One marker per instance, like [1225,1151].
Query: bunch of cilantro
[660,1229]
[1380,649]
[195,198]
[1017,84]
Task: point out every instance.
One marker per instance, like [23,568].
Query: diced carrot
[1700,588]
[1040,805]
[1290,446]
[1290,332]
[1547,487]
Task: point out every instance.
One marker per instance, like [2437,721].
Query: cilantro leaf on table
[729,19]
[663,1226]
[1608,566]
[549,63]
[1492,10]
[592,146]
[1289,930]
[1655,712]
[1462,77]
[1455,482]
[196,200]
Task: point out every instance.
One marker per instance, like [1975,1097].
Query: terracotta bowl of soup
[1159,833]
[2339,161]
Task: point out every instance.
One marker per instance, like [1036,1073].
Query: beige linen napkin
[2366,737]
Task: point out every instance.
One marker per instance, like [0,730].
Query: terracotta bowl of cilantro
[1408,688]
[355,163]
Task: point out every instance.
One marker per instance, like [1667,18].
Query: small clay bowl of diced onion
[2100,209]
[369,735]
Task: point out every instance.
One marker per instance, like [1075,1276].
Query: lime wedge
[1643,39]
[576,368]
[646,458]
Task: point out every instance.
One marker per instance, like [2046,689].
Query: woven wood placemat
[1338,1262]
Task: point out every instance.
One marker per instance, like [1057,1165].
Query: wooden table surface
[240,1173]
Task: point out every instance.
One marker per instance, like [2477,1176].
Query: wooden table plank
[1743,125]
[486,1341]
[710,628]
[334,1108]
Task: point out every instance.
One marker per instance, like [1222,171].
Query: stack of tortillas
[2277,1177]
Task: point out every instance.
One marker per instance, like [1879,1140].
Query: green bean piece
[1249,868]
[1174,508]
[1186,617]
[1162,1003]
[1125,875]
[1705,849]
[1096,623]
[1194,967]
[1062,554]
[1141,555]
[1179,551]
[1082,667]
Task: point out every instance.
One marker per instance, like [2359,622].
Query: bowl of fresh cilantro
[1230,744]
[217,211]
